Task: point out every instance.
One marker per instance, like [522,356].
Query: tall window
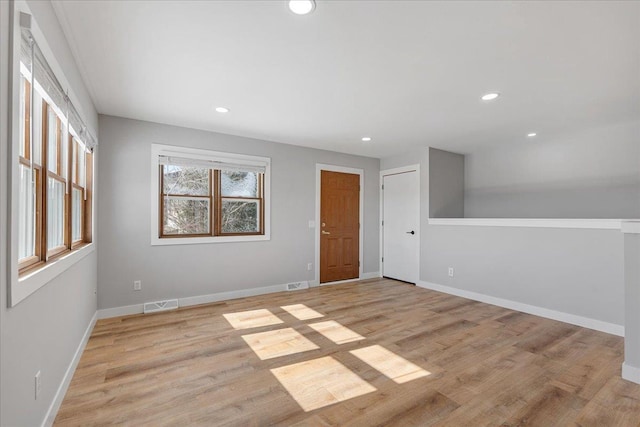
[51,166]
[56,183]
[81,171]
[203,194]
[55,175]
[30,171]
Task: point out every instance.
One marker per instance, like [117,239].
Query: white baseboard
[222,296]
[630,373]
[372,275]
[126,310]
[68,375]
[106,313]
[585,322]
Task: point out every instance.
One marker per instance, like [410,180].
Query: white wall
[43,332]
[590,173]
[125,253]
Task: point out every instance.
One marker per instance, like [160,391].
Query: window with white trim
[208,196]
[54,166]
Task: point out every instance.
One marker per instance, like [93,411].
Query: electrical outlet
[137,285]
[450,271]
[37,384]
[309,266]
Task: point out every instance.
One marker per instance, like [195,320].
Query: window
[56,183]
[206,196]
[51,167]
[54,173]
[81,174]
[51,219]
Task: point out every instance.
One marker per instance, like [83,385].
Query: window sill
[599,224]
[156,241]
[31,281]
[631,227]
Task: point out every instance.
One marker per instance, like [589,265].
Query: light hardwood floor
[447,361]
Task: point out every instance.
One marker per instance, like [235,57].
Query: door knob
[411,232]
[325,232]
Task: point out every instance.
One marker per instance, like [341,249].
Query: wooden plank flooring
[477,364]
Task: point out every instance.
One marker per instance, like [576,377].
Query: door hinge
[383,186]
[358,263]
[382,259]
[383,223]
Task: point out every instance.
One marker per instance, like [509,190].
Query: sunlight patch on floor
[390,364]
[252,319]
[281,342]
[321,382]
[336,332]
[301,312]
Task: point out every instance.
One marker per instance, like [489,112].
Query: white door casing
[401,217]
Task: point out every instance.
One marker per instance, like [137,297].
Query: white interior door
[401,221]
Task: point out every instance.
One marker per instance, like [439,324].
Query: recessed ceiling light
[302,7]
[366,139]
[222,109]
[490,96]
[531,135]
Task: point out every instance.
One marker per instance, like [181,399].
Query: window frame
[58,174]
[221,198]
[25,159]
[63,174]
[215,196]
[76,150]
[161,194]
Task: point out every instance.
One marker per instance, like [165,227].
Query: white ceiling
[406,73]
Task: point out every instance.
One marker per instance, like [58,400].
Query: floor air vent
[154,307]
[294,286]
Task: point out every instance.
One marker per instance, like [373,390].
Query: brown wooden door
[339,226]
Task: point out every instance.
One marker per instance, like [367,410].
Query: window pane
[26,215]
[52,141]
[55,213]
[240,216]
[184,215]
[186,180]
[76,215]
[239,184]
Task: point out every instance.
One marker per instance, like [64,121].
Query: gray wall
[632,301]
[593,173]
[413,157]
[446,184]
[574,271]
[180,271]
[43,331]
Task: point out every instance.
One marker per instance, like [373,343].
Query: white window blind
[211,164]
[33,59]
